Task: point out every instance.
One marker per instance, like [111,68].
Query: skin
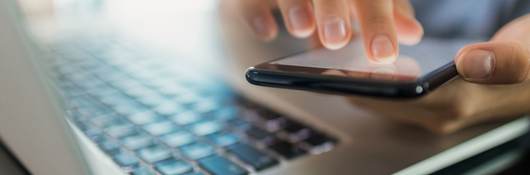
[493,82]
[331,21]
[469,100]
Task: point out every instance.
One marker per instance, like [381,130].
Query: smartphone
[417,71]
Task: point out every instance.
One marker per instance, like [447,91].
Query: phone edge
[380,89]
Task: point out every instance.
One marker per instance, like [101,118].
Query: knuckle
[443,126]
[436,126]
[378,20]
[458,110]
[442,129]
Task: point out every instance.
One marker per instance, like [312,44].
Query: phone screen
[412,63]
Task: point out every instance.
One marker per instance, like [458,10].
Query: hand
[382,22]
[494,85]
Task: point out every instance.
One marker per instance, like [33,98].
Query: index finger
[333,22]
[378,29]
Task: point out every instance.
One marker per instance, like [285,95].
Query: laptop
[108,103]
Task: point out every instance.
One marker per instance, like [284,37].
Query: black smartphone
[417,71]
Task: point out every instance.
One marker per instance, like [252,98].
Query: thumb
[494,62]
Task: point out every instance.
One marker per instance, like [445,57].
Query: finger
[413,115]
[416,114]
[355,25]
[494,62]
[378,30]
[333,22]
[298,17]
[408,28]
[258,15]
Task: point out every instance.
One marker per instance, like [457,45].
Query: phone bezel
[267,74]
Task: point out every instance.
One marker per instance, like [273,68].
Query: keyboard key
[154,153]
[267,115]
[317,139]
[296,131]
[224,139]
[205,106]
[168,109]
[123,104]
[113,99]
[273,121]
[226,113]
[293,127]
[258,133]
[286,149]
[130,108]
[104,121]
[173,167]
[160,128]
[73,102]
[194,173]
[88,82]
[92,110]
[72,92]
[144,118]
[173,90]
[206,128]
[197,150]
[126,84]
[142,170]
[82,101]
[239,124]
[186,118]
[144,74]
[125,159]
[136,141]
[188,98]
[107,145]
[102,94]
[92,133]
[251,156]
[161,82]
[275,124]
[217,165]
[153,100]
[114,76]
[139,91]
[177,139]
[118,131]
[319,143]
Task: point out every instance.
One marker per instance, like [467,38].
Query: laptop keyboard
[150,120]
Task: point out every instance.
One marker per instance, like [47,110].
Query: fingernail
[478,64]
[382,49]
[260,27]
[334,31]
[300,21]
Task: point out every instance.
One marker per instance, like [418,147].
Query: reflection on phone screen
[412,63]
